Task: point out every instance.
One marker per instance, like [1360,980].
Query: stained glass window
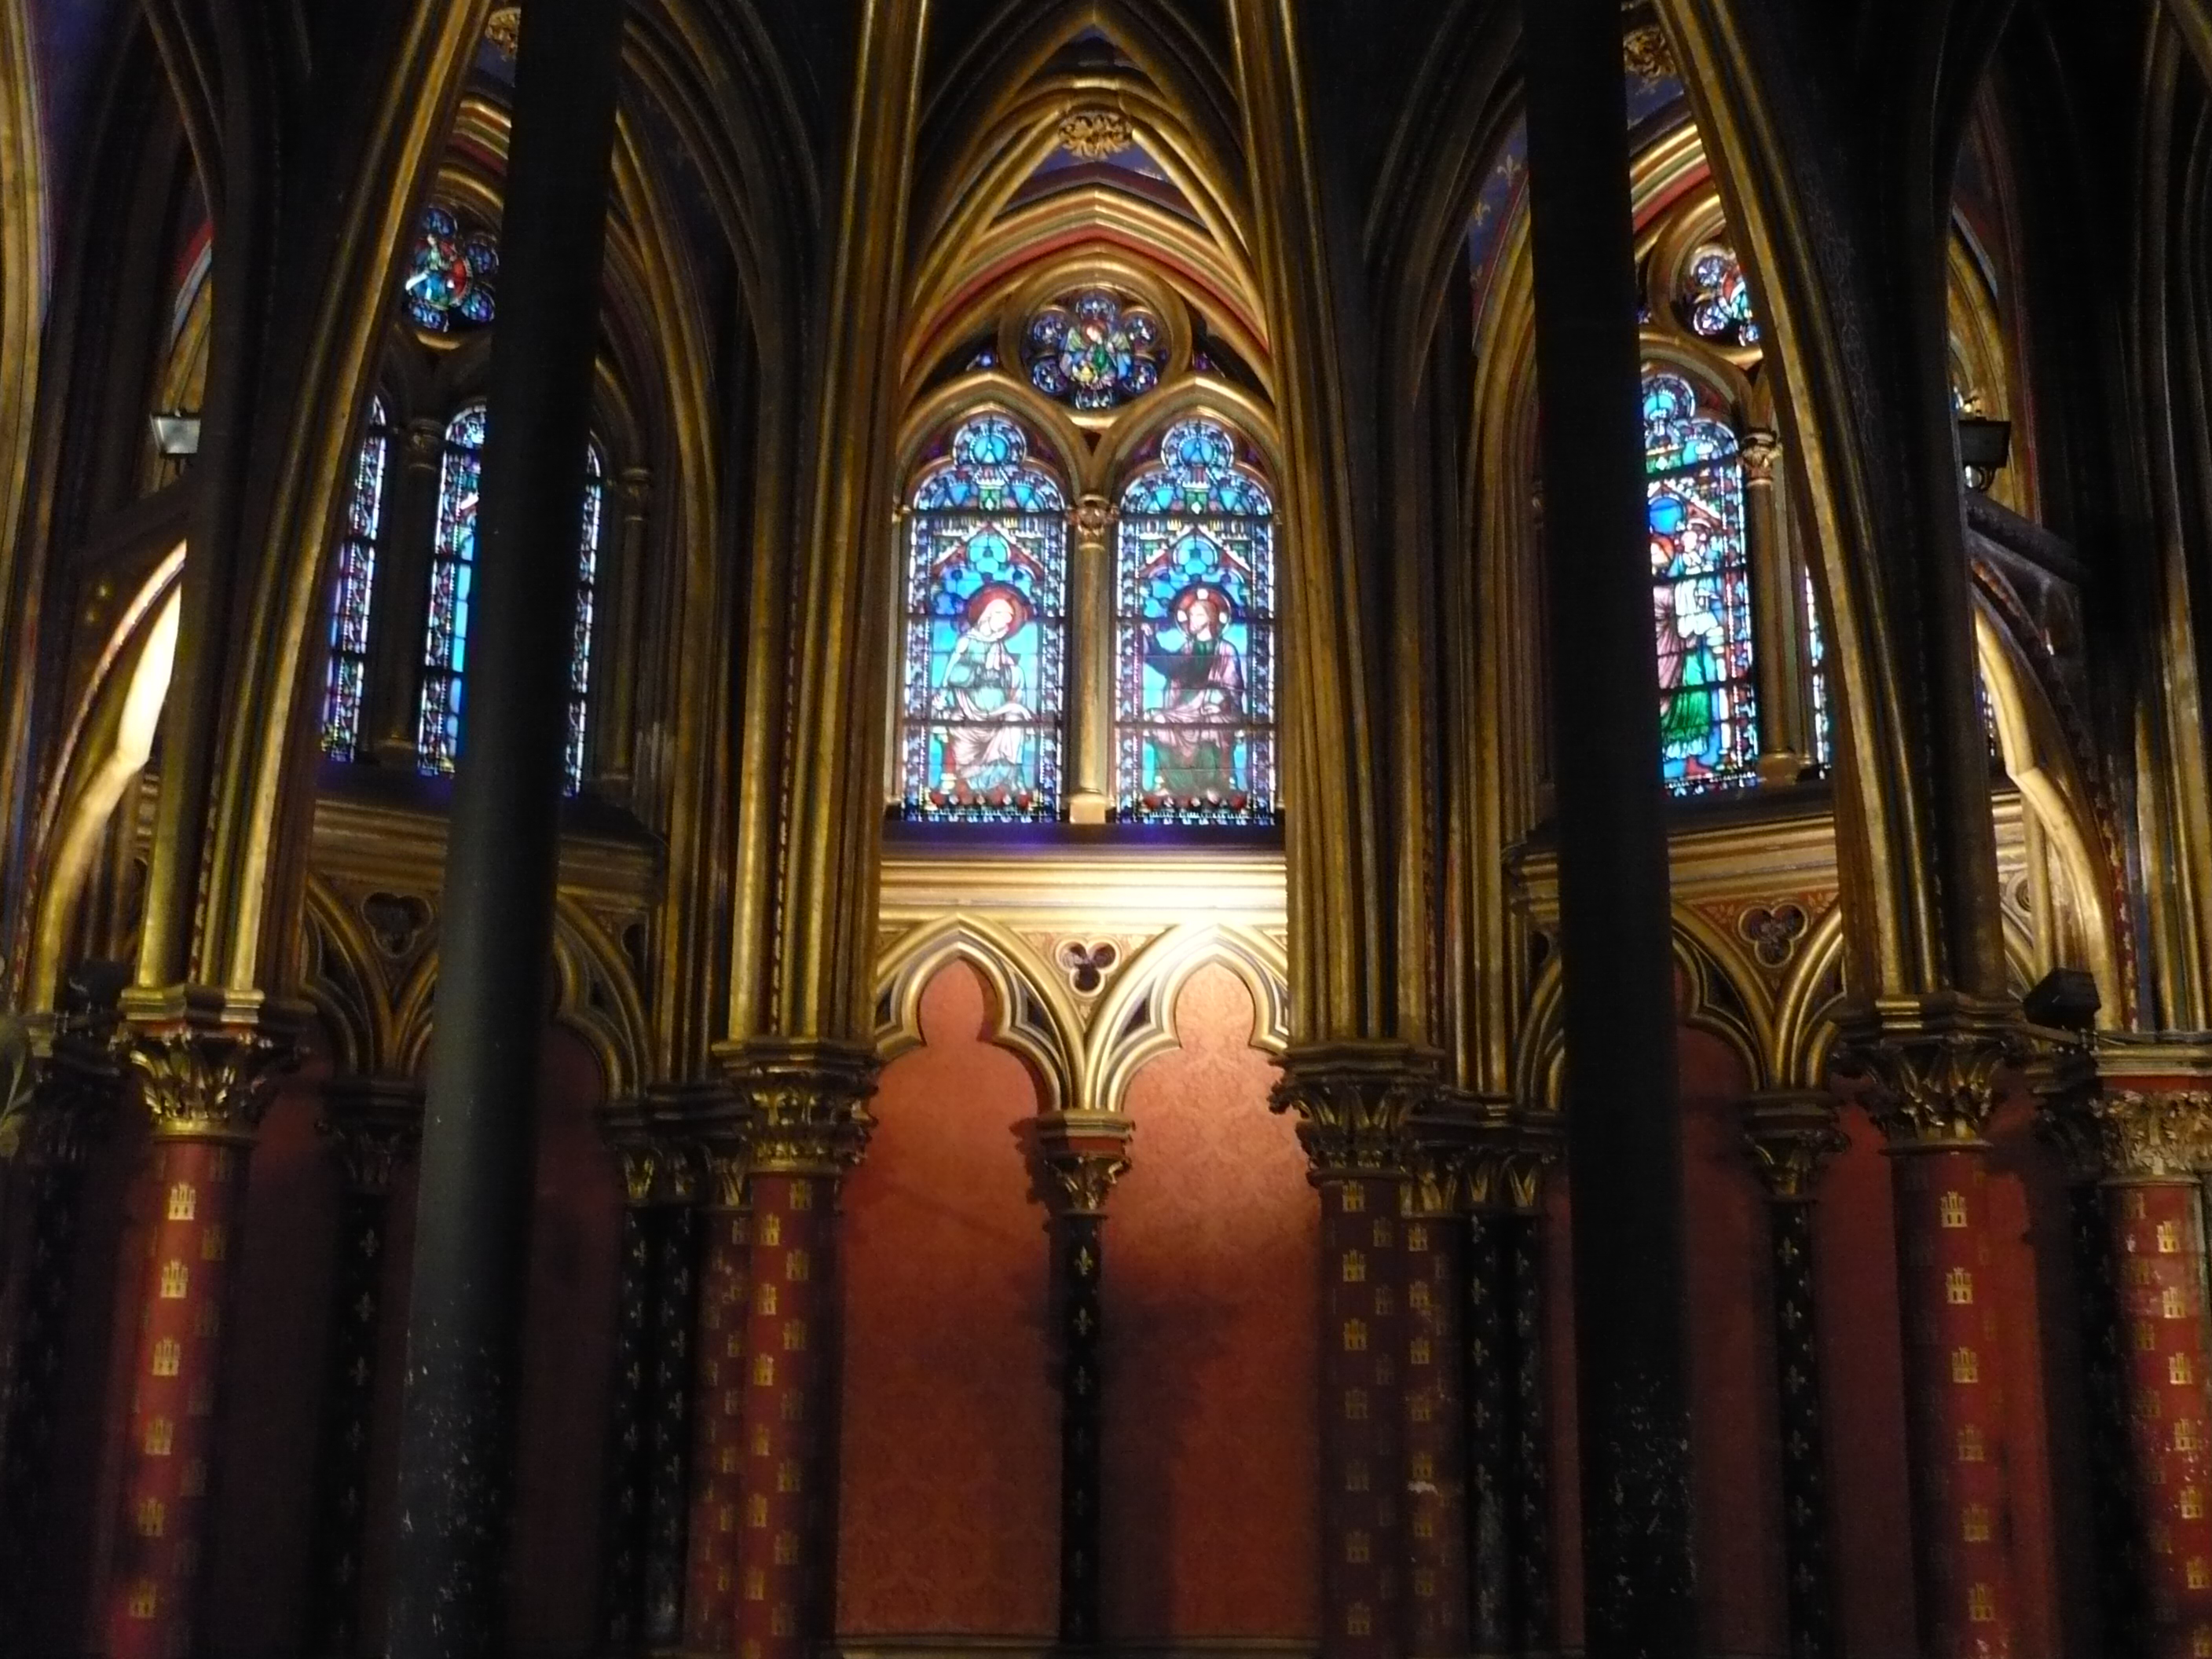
[1092,351]
[587,580]
[1194,735]
[453,573]
[1700,591]
[451,274]
[1716,298]
[985,632]
[345,677]
[452,569]
[1816,656]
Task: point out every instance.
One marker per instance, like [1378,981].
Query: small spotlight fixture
[1984,445]
[177,434]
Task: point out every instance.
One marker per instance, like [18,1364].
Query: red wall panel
[951,1473]
[568,1359]
[1212,1394]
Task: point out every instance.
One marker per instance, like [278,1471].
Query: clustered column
[77,1093]
[642,1568]
[205,1072]
[1513,1601]
[1085,1154]
[373,1125]
[1791,1136]
[1435,1424]
[2142,1151]
[1353,1104]
[1935,1087]
[808,1126]
[718,1391]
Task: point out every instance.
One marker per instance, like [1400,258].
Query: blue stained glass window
[984,631]
[1093,352]
[1718,297]
[587,580]
[345,677]
[451,274]
[1194,735]
[1816,655]
[453,572]
[1700,591]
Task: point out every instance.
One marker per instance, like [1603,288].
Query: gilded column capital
[374,1125]
[1935,1066]
[67,1088]
[2118,1134]
[422,442]
[805,1103]
[1791,1135]
[207,1059]
[1354,1102]
[1761,450]
[1085,1154]
[1094,516]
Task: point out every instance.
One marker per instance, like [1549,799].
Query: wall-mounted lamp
[177,434]
[1984,445]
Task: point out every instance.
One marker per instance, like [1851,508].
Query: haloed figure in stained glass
[981,699]
[1201,708]
[985,646]
[1700,591]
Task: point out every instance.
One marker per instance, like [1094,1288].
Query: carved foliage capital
[1791,1136]
[805,1104]
[1935,1079]
[207,1063]
[374,1126]
[1085,1154]
[2127,1134]
[1354,1102]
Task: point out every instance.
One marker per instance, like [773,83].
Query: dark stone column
[1616,947]
[1435,1420]
[1489,1438]
[647,1523]
[710,1599]
[1791,1136]
[373,1125]
[1085,1154]
[479,1137]
[78,1087]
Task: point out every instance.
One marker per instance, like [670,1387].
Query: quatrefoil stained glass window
[451,274]
[1716,297]
[1093,351]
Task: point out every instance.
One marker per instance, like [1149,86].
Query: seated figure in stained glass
[986,735]
[1201,708]
[985,643]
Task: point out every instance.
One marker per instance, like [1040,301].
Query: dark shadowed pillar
[1624,1155]
[373,1125]
[479,1136]
[719,1393]
[1435,1429]
[1084,1154]
[1791,1136]
[78,1088]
